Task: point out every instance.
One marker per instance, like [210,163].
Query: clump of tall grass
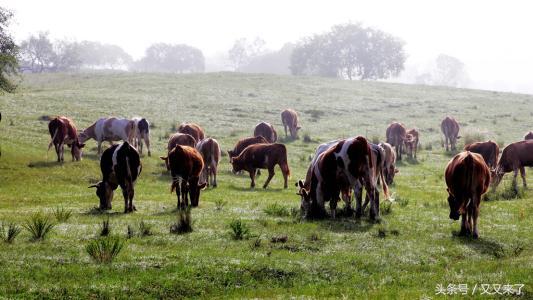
[219,204]
[307,138]
[277,210]
[61,214]
[183,223]
[239,230]
[9,233]
[105,250]
[39,226]
[145,229]
[105,228]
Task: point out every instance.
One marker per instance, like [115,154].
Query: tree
[106,56]
[169,58]
[37,53]
[450,71]
[8,53]
[66,56]
[244,51]
[276,62]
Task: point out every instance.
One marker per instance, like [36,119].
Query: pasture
[404,256]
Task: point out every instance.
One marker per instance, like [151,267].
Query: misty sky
[493,38]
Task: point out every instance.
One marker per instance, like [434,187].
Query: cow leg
[214,176]
[252,177]
[126,199]
[147,142]
[270,175]
[358,195]
[515,174]
[475,214]
[285,171]
[56,147]
[523,175]
[446,142]
[99,148]
[285,127]
[185,192]
[62,149]
[463,231]
[333,207]
[370,190]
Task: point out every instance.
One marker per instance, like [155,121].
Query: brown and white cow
[120,166]
[109,129]
[63,132]
[243,143]
[396,136]
[515,156]
[142,134]
[529,136]
[210,151]
[267,131]
[489,150]
[289,118]
[411,142]
[186,165]
[390,163]
[262,156]
[193,129]
[468,178]
[450,129]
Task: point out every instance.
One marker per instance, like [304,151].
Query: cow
[142,133]
[63,132]
[267,131]
[193,129]
[181,139]
[262,156]
[210,151]
[289,118]
[514,157]
[109,129]
[121,166]
[243,143]
[396,137]
[489,150]
[411,142]
[390,163]
[450,129]
[529,136]
[467,178]
[185,165]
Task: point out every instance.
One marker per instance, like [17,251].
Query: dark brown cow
[411,142]
[182,139]
[185,164]
[489,150]
[267,131]
[515,156]
[289,118]
[63,132]
[390,163]
[262,156]
[120,166]
[210,150]
[529,136]
[396,136]
[468,178]
[450,129]
[193,129]
[243,143]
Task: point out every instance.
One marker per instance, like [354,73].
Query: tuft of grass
[145,229]
[105,228]
[9,233]
[385,207]
[130,232]
[277,210]
[239,229]
[314,237]
[403,202]
[279,239]
[39,226]
[307,138]
[183,223]
[508,192]
[219,204]
[105,250]
[61,214]
[428,147]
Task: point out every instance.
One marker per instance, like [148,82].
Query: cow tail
[52,140]
[384,185]
[286,161]
[469,174]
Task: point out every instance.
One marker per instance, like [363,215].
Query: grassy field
[405,256]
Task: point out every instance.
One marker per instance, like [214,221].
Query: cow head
[496,177]
[104,191]
[82,137]
[76,150]
[231,153]
[389,174]
[194,190]
[456,209]
[237,165]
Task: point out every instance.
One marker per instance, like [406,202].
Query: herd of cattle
[337,168]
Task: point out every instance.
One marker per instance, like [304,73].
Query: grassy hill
[404,256]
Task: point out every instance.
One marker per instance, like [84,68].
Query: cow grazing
[243,143]
[182,139]
[142,134]
[193,129]
[396,137]
[63,132]
[411,142]
[267,131]
[185,165]
[529,136]
[468,178]
[489,150]
[289,118]
[450,129]
[390,163]
[515,156]
[262,156]
[210,151]
[109,129]
[121,166]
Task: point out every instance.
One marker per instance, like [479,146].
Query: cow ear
[94,185]
[81,145]
[202,185]
[165,158]
[305,194]
[301,184]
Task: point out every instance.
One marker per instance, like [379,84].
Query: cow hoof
[475,236]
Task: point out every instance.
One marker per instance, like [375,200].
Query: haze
[492,38]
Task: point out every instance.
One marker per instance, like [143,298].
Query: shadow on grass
[450,153]
[258,187]
[95,211]
[44,164]
[346,224]
[481,245]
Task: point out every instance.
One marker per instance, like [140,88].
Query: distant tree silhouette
[169,58]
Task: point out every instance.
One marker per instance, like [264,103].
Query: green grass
[404,256]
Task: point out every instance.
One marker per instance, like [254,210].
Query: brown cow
[262,156]
[182,139]
[489,150]
[396,136]
[450,129]
[514,157]
[210,150]
[529,136]
[467,178]
[185,164]
[289,118]
[63,132]
[193,129]
[267,131]
[390,163]
[243,143]
[411,142]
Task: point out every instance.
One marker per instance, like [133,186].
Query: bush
[12,231]
[62,215]
[39,226]
[183,223]
[105,228]
[275,209]
[105,250]
[239,230]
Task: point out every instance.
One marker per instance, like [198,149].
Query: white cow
[109,129]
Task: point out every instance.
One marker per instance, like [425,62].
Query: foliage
[8,53]
[170,58]
[105,250]
[9,233]
[61,214]
[277,210]
[183,223]
[39,226]
[239,229]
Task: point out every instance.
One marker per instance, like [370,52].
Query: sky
[493,38]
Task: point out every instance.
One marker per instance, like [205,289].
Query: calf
[396,137]
[529,136]
[185,165]
[262,156]
[450,129]
[411,142]
[390,163]
[489,150]
[210,151]
[63,132]
[289,118]
[515,156]
[267,131]
[109,129]
[193,129]
[142,133]
[120,166]
[467,178]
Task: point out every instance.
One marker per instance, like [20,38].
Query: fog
[492,38]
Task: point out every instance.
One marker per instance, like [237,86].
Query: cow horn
[93,186]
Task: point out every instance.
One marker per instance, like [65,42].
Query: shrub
[275,209]
[105,250]
[62,215]
[145,229]
[12,231]
[239,230]
[39,226]
[105,228]
[219,204]
[183,223]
